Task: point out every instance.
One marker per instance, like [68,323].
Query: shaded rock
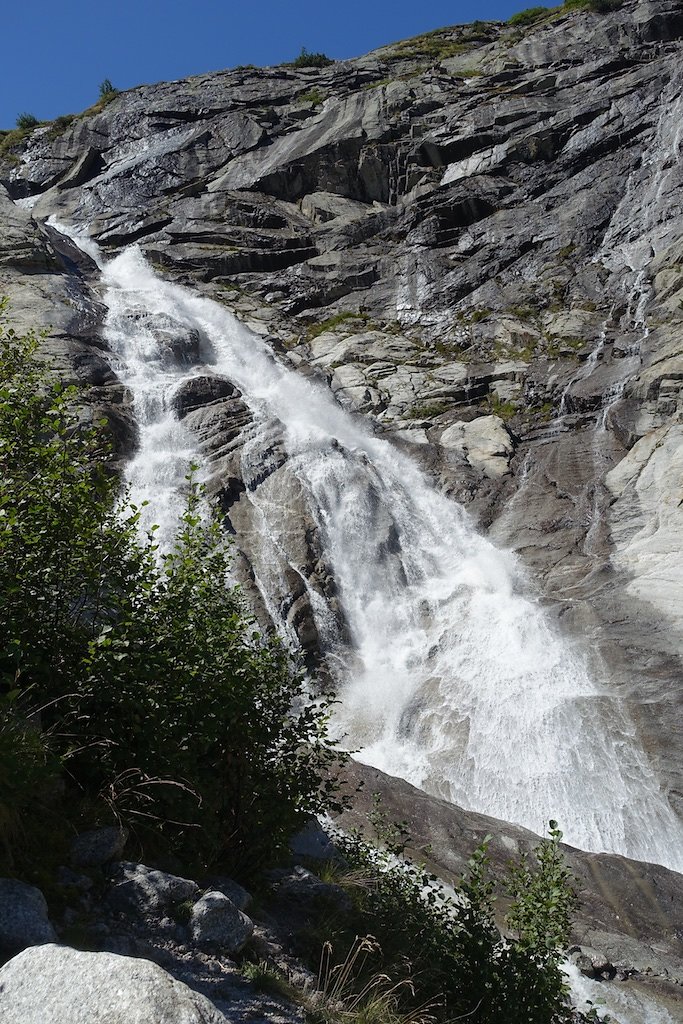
[314,842]
[215,920]
[200,391]
[55,983]
[139,889]
[232,889]
[306,891]
[97,847]
[23,917]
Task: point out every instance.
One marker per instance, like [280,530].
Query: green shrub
[529,16]
[166,705]
[107,89]
[306,59]
[597,6]
[27,121]
[450,949]
[313,96]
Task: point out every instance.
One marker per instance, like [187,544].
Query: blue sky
[55,54]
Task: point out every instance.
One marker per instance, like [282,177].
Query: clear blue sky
[55,54]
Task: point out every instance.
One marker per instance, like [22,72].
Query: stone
[314,842]
[216,921]
[302,888]
[485,442]
[54,983]
[23,917]
[200,391]
[236,893]
[98,846]
[510,237]
[136,888]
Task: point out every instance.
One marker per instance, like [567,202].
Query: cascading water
[455,680]
[613,1002]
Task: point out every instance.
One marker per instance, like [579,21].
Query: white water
[615,1001]
[457,682]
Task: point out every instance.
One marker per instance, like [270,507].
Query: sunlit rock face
[456,269]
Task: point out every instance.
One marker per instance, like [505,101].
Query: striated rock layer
[474,239]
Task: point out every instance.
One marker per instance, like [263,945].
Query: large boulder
[57,985]
[23,918]
[98,846]
[215,920]
[142,890]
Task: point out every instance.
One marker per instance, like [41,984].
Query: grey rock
[55,983]
[314,842]
[303,889]
[215,920]
[98,846]
[236,893]
[23,917]
[139,889]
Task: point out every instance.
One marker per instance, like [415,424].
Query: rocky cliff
[473,240]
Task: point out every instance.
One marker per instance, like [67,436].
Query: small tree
[306,59]
[153,685]
[27,121]
[107,89]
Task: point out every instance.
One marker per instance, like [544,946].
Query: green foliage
[164,703]
[306,59]
[499,407]
[435,46]
[107,89]
[530,16]
[332,323]
[597,6]
[27,121]
[269,979]
[449,948]
[59,125]
[427,410]
[313,96]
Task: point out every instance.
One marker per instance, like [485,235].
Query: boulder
[98,846]
[23,918]
[142,890]
[485,441]
[232,889]
[201,391]
[216,921]
[306,891]
[57,985]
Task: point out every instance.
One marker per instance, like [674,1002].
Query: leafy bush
[597,6]
[27,121]
[306,59]
[107,89]
[449,948]
[165,704]
[529,16]
[313,96]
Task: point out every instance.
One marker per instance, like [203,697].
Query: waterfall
[614,1001]
[455,679]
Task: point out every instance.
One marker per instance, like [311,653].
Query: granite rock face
[473,239]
